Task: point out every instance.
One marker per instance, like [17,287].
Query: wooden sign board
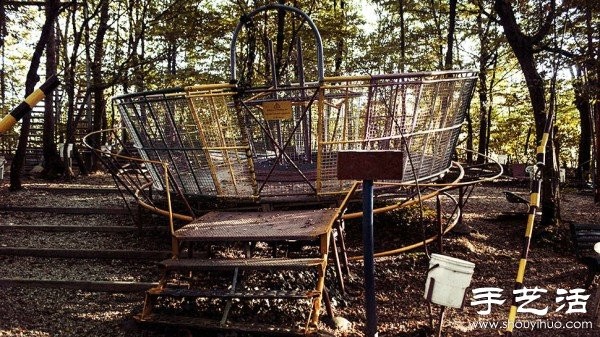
[277,110]
[370,165]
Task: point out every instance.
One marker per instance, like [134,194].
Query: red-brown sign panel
[370,165]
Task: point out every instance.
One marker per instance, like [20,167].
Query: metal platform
[228,264]
[258,226]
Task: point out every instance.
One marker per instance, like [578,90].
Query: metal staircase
[35,143]
[34,151]
[204,292]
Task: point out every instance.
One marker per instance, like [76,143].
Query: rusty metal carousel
[241,165]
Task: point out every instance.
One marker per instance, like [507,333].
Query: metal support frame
[248,18]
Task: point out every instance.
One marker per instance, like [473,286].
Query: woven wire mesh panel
[419,114]
[220,140]
[252,153]
[223,136]
[283,147]
[163,129]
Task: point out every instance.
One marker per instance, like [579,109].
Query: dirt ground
[493,245]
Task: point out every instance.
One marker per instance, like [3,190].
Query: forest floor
[493,245]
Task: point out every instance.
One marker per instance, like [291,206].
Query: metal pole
[369,261]
[440,225]
[534,204]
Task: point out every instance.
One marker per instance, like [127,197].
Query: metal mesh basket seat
[264,142]
[162,129]
[282,139]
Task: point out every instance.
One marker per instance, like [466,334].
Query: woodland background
[533,57]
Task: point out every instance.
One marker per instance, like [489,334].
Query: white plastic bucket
[446,283]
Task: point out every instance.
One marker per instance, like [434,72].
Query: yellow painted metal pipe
[28,103]
[533,207]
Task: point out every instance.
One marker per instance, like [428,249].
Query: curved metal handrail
[440,189]
[169,212]
[157,210]
[246,18]
[410,202]
[445,187]
[405,203]
[167,91]
[456,217]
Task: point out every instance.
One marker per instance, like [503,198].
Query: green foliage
[424,37]
[167,43]
[18,50]
[567,126]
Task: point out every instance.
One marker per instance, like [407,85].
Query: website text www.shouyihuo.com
[531,325]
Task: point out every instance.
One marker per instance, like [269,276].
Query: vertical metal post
[461,203]
[441,322]
[369,261]
[438,218]
[368,166]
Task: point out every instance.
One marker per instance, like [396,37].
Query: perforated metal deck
[259,226]
[254,294]
[228,264]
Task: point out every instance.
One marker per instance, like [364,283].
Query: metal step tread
[258,226]
[203,323]
[192,264]
[217,293]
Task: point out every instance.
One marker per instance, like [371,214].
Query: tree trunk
[523,48]
[32,78]
[450,39]
[339,50]
[99,117]
[485,107]
[279,44]
[53,165]
[402,37]
[438,29]
[469,138]
[19,159]
[585,140]
[483,117]
[593,86]
[70,66]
